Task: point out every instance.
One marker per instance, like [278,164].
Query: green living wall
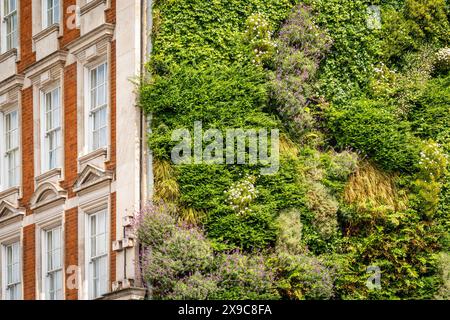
[364,140]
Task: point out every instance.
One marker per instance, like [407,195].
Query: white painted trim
[45,24]
[16,238]
[4,184]
[88,126]
[41,261]
[84,211]
[44,167]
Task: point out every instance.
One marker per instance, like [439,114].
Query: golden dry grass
[191,216]
[288,148]
[166,185]
[372,189]
[168,190]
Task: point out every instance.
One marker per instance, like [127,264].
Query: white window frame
[6,265]
[45,133]
[90,259]
[91,108]
[5,182]
[57,271]
[54,12]
[9,38]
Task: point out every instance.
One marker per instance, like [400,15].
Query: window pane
[56,11]
[101,95]
[93,78]
[56,108]
[103,276]
[58,286]
[49,251]
[102,74]
[102,137]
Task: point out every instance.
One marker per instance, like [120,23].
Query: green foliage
[258,36]
[303,277]
[259,64]
[181,265]
[245,277]
[368,127]
[290,232]
[220,96]
[173,252]
[433,170]
[430,116]
[346,70]
[195,31]
[325,209]
[403,247]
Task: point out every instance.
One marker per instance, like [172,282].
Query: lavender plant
[301,47]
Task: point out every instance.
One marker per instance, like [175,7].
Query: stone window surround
[88,51]
[38,30]
[8,236]
[41,76]
[10,98]
[52,218]
[15,51]
[95,202]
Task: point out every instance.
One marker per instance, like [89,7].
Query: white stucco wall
[128,55]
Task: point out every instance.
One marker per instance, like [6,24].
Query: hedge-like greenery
[363,116]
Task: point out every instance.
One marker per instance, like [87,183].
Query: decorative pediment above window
[46,195]
[92,176]
[10,90]
[92,45]
[9,212]
[47,70]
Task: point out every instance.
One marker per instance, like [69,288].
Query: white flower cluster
[443,55]
[259,35]
[242,194]
[433,160]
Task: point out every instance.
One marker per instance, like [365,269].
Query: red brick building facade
[68,182]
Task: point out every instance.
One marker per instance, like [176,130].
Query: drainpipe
[146,160]
[146,187]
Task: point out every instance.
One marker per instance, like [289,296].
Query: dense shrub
[430,116]
[303,277]
[178,263]
[290,232]
[245,277]
[368,127]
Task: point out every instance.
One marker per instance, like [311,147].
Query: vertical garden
[362,191]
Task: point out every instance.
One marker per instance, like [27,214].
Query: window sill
[53,175]
[8,54]
[94,156]
[45,32]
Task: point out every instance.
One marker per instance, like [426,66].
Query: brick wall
[71,250]
[111,13]
[29,262]
[27,56]
[69,34]
[27,148]
[70,129]
[111,165]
